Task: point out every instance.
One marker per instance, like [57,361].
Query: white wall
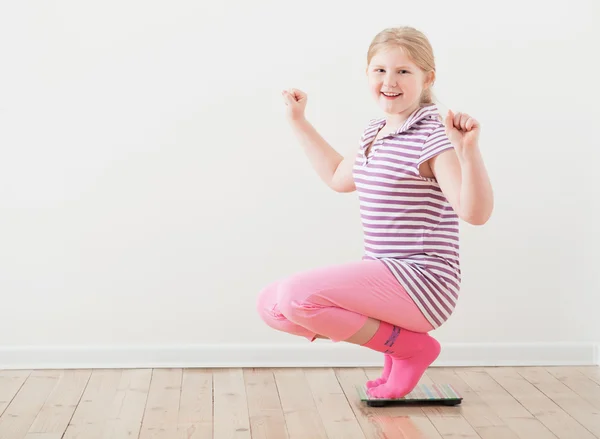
[147,175]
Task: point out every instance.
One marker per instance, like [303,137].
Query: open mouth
[391,95]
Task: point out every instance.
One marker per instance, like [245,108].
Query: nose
[390,80]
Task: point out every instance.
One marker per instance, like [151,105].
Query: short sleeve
[436,143]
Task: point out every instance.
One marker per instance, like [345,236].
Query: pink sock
[411,354]
[387,368]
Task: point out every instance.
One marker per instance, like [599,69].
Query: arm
[333,169]
[465,184]
[461,172]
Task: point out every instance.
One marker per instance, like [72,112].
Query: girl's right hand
[295,101]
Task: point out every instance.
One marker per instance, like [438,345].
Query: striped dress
[407,221]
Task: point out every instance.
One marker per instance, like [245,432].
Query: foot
[387,368]
[407,371]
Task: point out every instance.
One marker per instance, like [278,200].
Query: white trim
[518,354]
[318,354]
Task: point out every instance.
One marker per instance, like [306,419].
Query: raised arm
[332,168]
[461,172]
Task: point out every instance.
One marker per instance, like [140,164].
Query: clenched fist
[295,101]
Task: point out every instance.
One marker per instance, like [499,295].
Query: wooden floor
[499,403]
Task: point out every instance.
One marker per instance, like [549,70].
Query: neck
[396,120]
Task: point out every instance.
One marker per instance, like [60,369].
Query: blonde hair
[416,45]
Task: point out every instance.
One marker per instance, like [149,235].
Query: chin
[395,107]
[392,109]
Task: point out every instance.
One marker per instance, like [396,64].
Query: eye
[379,70]
[404,71]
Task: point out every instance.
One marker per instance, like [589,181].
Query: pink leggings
[336,301]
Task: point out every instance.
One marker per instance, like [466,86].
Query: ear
[429,79]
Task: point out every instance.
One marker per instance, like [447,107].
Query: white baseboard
[318,354]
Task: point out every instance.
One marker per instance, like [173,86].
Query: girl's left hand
[463,132]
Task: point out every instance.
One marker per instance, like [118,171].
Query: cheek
[411,85]
[375,87]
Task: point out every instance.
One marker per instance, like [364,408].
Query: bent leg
[363,303]
[337,301]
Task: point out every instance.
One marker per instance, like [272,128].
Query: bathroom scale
[423,394]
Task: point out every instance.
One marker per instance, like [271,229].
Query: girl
[416,176]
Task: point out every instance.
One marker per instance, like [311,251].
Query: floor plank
[483,418]
[91,419]
[161,415]
[592,372]
[231,407]
[294,403]
[129,403]
[581,384]
[195,420]
[332,405]
[477,413]
[264,407]
[573,404]
[543,408]
[10,383]
[27,403]
[60,406]
[493,394]
[299,409]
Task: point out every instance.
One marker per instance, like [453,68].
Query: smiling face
[396,82]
